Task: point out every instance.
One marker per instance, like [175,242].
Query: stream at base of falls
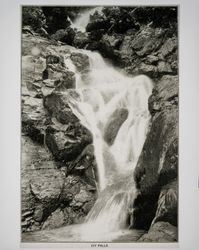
[79,233]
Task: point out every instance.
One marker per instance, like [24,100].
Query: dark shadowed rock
[81,61]
[34,118]
[165,94]
[55,220]
[85,165]
[114,124]
[167,208]
[64,35]
[158,163]
[49,199]
[41,184]
[57,106]
[63,78]
[160,232]
[97,21]
[109,45]
[80,40]
[67,144]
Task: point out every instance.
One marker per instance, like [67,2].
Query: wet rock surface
[114,124]
[160,232]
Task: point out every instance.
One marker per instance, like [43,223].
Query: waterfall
[106,93]
[82,20]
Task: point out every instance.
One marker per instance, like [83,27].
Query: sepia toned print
[99,140]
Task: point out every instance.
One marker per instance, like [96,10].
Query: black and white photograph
[99,124]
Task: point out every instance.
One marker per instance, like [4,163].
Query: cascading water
[104,92]
[82,20]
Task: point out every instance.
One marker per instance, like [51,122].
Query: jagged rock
[80,40]
[45,90]
[165,94]
[97,21]
[160,232]
[63,78]
[76,193]
[164,67]
[46,186]
[114,124]
[168,46]
[65,145]
[55,59]
[83,196]
[34,118]
[32,67]
[109,45]
[55,220]
[147,40]
[27,29]
[113,41]
[87,207]
[57,106]
[147,69]
[85,165]
[64,35]
[167,204]
[81,61]
[39,213]
[38,169]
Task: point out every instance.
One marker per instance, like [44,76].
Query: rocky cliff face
[58,181]
[156,172]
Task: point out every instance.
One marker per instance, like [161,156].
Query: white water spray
[104,92]
[83,19]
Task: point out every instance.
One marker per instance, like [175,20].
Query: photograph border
[191,192]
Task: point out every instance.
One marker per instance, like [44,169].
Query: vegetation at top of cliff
[34,17]
[120,19]
[116,19]
[48,17]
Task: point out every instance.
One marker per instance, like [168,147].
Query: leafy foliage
[33,16]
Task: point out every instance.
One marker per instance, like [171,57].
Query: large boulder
[64,35]
[41,184]
[34,118]
[76,200]
[167,208]
[109,45]
[165,94]
[65,142]
[81,61]
[161,232]
[85,165]
[114,124]
[51,199]
[97,21]
[80,39]
[61,78]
